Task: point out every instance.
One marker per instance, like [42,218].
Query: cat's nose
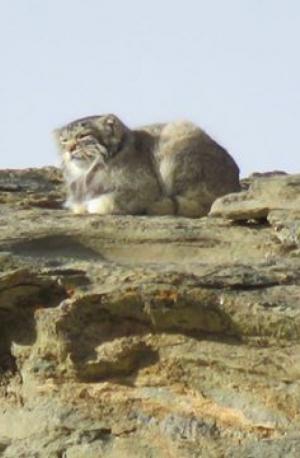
[72,147]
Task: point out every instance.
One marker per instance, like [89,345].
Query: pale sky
[231,66]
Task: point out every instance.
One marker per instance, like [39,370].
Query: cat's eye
[82,135]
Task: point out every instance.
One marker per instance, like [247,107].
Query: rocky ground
[139,337]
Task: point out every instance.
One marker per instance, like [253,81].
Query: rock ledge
[149,337]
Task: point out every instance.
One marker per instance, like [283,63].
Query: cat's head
[94,137]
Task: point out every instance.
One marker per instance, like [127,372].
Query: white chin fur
[103,205]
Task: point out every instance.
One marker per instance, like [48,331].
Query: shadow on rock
[21,294]
[105,335]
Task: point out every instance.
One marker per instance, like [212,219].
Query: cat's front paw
[103,205]
[78,208]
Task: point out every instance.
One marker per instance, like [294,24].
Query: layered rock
[139,337]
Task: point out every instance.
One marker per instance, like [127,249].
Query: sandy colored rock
[266,193]
[149,336]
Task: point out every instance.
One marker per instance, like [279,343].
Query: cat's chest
[75,170]
[91,175]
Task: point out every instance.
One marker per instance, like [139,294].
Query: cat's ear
[56,137]
[111,132]
[111,120]
[113,124]
[114,132]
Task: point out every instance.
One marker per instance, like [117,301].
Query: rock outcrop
[149,336]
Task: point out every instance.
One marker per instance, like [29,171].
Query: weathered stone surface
[264,195]
[275,198]
[149,337]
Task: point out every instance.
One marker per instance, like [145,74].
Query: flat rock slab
[263,195]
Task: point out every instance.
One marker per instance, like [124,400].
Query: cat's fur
[173,168]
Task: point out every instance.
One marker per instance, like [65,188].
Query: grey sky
[231,66]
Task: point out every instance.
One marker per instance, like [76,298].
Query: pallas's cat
[172,168]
